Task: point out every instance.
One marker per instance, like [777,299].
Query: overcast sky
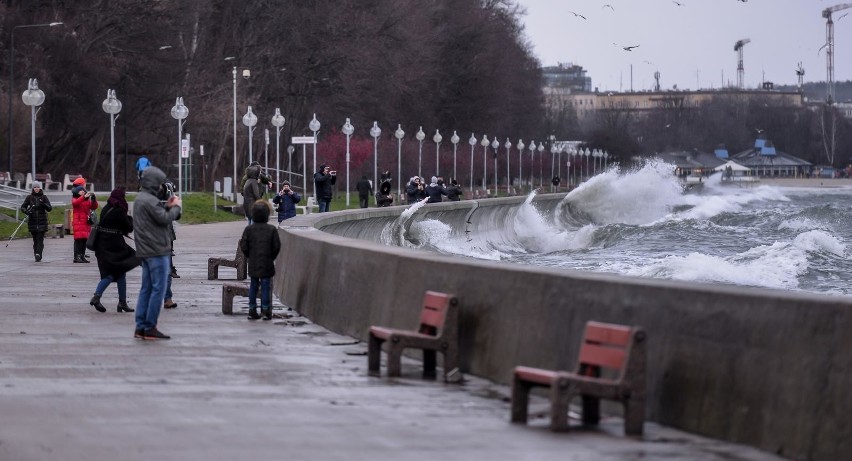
[691,44]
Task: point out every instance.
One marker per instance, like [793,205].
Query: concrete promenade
[75,385]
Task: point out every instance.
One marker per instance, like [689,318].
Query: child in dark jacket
[260,244]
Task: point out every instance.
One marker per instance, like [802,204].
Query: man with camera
[286,201]
[324,179]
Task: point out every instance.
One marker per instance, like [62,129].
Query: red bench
[437,332]
[611,366]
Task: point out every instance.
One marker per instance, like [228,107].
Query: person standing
[384,198]
[286,199]
[251,190]
[141,164]
[365,189]
[83,203]
[435,190]
[261,244]
[324,178]
[454,191]
[36,206]
[152,223]
[115,256]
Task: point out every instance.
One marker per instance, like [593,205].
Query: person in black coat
[454,191]
[365,189]
[286,199]
[115,256]
[260,244]
[324,178]
[384,198]
[415,190]
[435,190]
[36,206]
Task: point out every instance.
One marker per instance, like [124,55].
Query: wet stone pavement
[76,385]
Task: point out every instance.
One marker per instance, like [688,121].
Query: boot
[253,313]
[78,259]
[123,307]
[85,258]
[96,301]
[267,312]
[169,304]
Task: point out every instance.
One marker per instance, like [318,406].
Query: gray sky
[692,45]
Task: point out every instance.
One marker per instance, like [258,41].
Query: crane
[738,47]
[829,43]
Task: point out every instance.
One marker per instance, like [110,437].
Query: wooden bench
[437,332]
[56,230]
[239,263]
[229,291]
[45,179]
[611,366]
[6,180]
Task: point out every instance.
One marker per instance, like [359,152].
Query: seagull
[677,3]
[742,1]
[608,6]
[844,15]
[577,14]
[629,48]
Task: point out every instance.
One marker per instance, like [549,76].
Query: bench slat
[601,356]
[536,375]
[434,310]
[607,333]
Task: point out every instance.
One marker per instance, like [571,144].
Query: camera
[333,172]
[167,191]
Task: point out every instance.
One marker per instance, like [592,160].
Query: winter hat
[36,184]
[434,179]
[285,183]
[322,167]
[81,181]
[260,211]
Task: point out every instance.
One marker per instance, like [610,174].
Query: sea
[642,222]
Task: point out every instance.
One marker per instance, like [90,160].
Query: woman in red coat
[82,203]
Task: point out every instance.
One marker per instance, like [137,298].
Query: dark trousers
[38,242]
[364,200]
[79,247]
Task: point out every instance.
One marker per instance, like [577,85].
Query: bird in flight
[677,3]
[843,16]
[629,48]
[742,1]
[578,15]
[608,6]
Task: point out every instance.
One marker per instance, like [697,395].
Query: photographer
[252,190]
[286,201]
[36,206]
[324,178]
[415,191]
[83,203]
[383,196]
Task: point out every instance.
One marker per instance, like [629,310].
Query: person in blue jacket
[286,201]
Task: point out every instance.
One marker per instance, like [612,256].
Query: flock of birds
[632,47]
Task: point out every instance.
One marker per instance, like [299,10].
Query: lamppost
[541,164]
[520,147]
[532,165]
[112,106]
[484,143]
[179,113]
[606,158]
[437,138]
[573,155]
[314,125]
[587,153]
[508,146]
[420,136]
[553,150]
[12,80]
[347,129]
[375,132]
[33,97]
[472,142]
[290,150]
[399,135]
[246,75]
[278,123]
[250,120]
[455,140]
[494,145]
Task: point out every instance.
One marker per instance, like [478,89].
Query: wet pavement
[76,385]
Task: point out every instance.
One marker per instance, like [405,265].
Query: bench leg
[591,410]
[212,271]
[242,271]
[395,358]
[560,397]
[520,400]
[430,363]
[374,355]
[227,301]
[634,416]
[451,365]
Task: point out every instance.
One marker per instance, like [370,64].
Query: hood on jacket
[253,171]
[152,178]
[260,211]
[75,192]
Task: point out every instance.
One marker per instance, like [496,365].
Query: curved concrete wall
[762,367]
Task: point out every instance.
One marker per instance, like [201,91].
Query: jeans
[120,282]
[324,205]
[38,242]
[265,296]
[155,277]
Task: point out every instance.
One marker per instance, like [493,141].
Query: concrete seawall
[763,367]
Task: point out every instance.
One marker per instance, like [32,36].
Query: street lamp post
[420,136]
[179,113]
[494,145]
[508,146]
[520,147]
[33,97]
[112,106]
[574,155]
[553,150]
[399,135]
[472,142]
[314,125]
[455,140]
[541,165]
[250,120]
[437,138]
[375,132]
[606,158]
[484,143]
[532,165]
[587,153]
[290,150]
[347,129]
[246,75]
[278,123]
[12,80]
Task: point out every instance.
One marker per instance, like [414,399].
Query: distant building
[566,76]
[692,163]
[845,108]
[767,161]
